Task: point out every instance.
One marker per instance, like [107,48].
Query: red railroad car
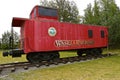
[43,36]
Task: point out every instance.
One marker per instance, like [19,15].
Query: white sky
[22,8]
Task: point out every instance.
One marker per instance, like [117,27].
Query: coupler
[14,53]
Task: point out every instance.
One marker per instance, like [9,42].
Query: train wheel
[99,52]
[55,56]
[96,52]
[33,58]
[44,56]
[80,53]
[89,52]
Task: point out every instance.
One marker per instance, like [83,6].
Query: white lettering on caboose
[63,43]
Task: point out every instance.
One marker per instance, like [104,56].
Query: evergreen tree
[6,40]
[88,17]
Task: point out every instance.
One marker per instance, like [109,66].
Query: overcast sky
[22,8]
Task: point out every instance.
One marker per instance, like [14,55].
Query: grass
[9,59]
[100,69]
[68,54]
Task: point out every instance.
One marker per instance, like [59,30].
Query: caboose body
[44,35]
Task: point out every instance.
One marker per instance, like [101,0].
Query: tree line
[8,38]
[103,12]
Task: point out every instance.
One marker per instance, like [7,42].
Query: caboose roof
[18,22]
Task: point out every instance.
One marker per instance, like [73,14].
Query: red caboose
[43,36]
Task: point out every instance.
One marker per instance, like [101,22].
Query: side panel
[68,36]
[104,40]
[43,41]
[29,36]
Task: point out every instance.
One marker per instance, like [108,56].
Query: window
[90,33]
[102,34]
[35,13]
[47,12]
